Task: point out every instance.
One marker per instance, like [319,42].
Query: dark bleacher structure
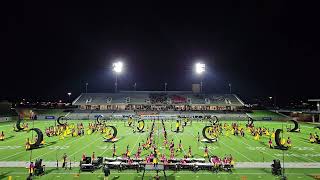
[159,103]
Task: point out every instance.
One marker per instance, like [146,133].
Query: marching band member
[270,143]
[2,136]
[289,142]
[206,152]
[189,152]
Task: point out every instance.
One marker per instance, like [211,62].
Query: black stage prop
[214,120]
[250,122]
[19,128]
[98,120]
[278,140]
[204,134]
[37,144]
[295,128]
[115,132]
[62,118]
[140,129]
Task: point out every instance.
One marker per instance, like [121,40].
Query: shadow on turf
[49,171]
[305,139]
[263,143]
[49,144]
[4,175]
[170,177]
[314,176]
[266,170]
[116,177]
[9,137]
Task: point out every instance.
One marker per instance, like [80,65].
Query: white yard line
[22,152]
[109,147]
[200,141]
[273,156]
[259,150]
[76,139]
[84,147]
[13,155]
[16,133]
[229,148]
[136,142]
[182,146]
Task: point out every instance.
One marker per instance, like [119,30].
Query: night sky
[263,49]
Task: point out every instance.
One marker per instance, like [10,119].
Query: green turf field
[260,114]
[243,149]
[238,174]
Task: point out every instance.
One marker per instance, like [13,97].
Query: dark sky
[263,48]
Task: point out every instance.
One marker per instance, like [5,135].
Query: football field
[244,150]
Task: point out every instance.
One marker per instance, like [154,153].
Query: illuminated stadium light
[117,67]
[69,94]
[200,68]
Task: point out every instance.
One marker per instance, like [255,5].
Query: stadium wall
[8,118]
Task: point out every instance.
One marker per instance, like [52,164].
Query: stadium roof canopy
[157,97]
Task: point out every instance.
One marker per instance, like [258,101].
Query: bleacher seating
[144,97]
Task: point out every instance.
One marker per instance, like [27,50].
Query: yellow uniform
[257,137]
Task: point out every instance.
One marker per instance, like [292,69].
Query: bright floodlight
[117,67]
[69,93]
[200,68]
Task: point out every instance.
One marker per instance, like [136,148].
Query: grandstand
[157,100]
[6,113]
[167,104]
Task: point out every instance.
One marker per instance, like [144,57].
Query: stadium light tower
[117,69]
[69,94]
[200,68]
